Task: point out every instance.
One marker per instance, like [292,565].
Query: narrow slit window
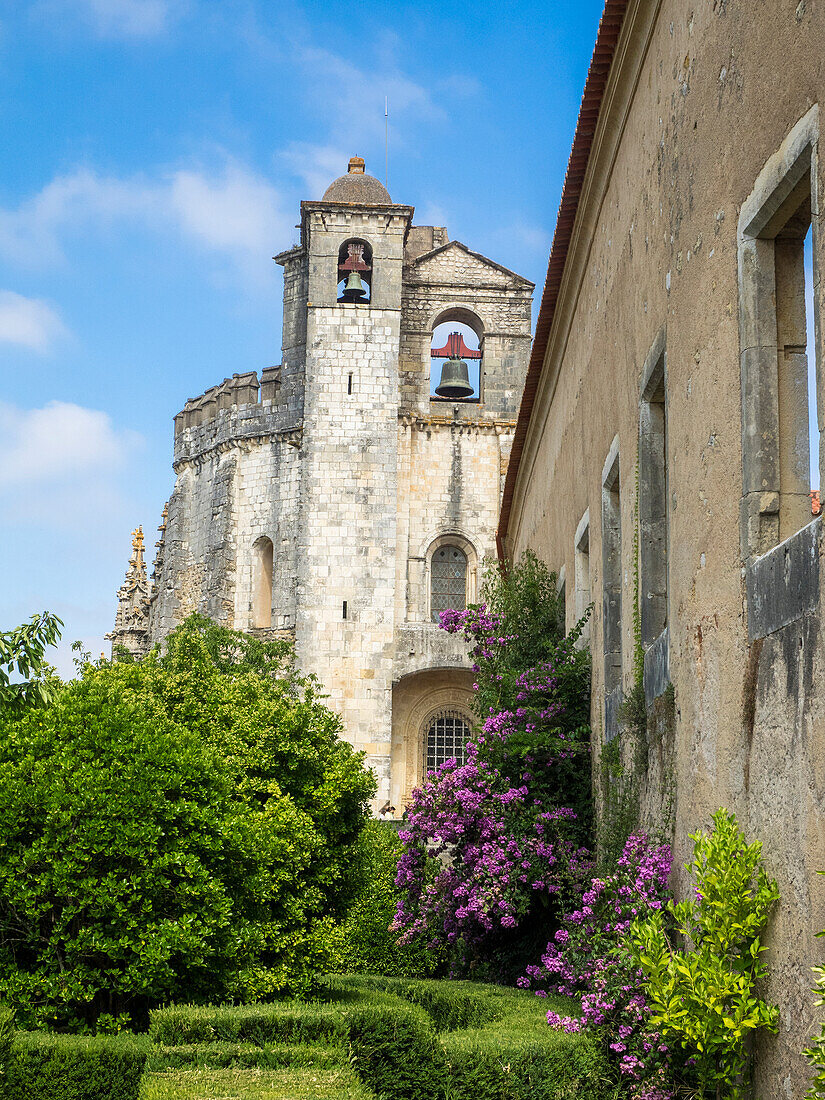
[349,383]
[344,610]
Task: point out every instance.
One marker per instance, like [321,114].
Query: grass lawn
[253,1083]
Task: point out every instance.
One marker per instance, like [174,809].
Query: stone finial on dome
[357,188]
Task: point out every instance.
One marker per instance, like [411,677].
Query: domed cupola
[357,188]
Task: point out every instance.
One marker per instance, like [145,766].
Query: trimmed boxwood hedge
[74,1067]
[282,1022]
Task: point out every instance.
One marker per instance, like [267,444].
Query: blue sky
[156,152]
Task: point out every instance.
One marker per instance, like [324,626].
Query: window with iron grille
[448,581]
[447,735]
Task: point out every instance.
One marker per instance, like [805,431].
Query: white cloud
[114,19]
[318,165]
[59,443]
[29,322]
[231,211]
[236,212]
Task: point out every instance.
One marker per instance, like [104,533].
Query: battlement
[240,389]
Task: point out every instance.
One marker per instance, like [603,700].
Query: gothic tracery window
[447,735]
[448,580]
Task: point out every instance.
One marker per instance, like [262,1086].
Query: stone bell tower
[349,494]
[347,536]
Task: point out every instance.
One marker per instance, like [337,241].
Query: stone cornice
[423,423]
[246,443]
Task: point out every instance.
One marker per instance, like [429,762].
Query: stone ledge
[784,583]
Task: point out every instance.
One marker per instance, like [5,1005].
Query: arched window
[354,272]
[445,737]
[448,580]
[262,583]
[456,356]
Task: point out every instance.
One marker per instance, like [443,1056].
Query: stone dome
[357,187]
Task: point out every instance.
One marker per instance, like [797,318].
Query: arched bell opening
[456,355]
[354,272]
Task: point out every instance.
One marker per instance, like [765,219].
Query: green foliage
[451,1005]
[286,1021]
[176,827]
[395,1051]
[73,1067]
[701,997]
[22,654]
[407,1040]
[816,1052]
[6,1040]
[523,597]
[266,1055]
[363,942]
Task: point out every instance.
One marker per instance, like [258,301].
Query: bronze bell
[354,288]
[455,380]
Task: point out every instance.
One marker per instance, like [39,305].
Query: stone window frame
[561,592]
[654,513]
[786,183]
[452,538]
[450,710]
[582,598]
[462,314]
[355,239]
[263,563]
[612,641]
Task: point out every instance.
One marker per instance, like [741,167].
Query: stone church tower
[340,502]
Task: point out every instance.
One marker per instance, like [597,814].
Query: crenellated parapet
[239,408]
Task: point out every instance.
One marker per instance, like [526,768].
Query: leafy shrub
[73,1067]
[174,828]
[589,957]
[26,680]
[364,942]
[701,995]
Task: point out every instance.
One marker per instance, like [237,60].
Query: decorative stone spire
[132,619]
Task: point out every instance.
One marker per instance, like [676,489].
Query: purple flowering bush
[495,847]
[589,956]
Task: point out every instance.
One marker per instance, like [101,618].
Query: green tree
[178,827]
[364,942]
[26,679]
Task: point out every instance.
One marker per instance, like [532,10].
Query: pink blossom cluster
[587,957]
[475,848]
[484,838]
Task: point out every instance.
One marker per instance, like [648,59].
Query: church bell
[455,380]
[354,288]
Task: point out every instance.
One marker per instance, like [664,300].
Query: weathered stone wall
[698,101]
